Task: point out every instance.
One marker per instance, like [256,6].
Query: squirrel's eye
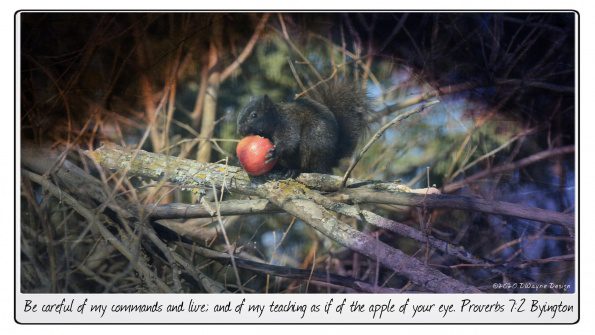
[253,115]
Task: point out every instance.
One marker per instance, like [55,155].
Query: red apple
[251,152]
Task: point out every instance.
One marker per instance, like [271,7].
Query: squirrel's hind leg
[318,153]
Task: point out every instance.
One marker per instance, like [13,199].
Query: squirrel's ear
[266,100]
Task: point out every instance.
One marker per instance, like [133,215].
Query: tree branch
[510,166]
[232,207]
[247,49]
[288,272]
[194,174]
[461,202]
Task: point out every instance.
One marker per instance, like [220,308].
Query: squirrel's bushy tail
[350,105]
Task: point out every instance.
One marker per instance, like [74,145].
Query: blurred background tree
[173,83]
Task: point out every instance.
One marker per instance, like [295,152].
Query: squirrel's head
[258,117]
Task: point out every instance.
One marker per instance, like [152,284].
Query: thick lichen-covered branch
[190,173]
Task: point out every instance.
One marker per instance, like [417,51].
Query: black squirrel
[312,133]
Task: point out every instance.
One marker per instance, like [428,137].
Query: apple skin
[251,152]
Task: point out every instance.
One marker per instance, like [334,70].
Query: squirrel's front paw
[271,155]
[291,174]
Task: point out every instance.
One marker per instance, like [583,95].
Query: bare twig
[247,49]
[510,166]
[379,133]
[491,152]
[230,249]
